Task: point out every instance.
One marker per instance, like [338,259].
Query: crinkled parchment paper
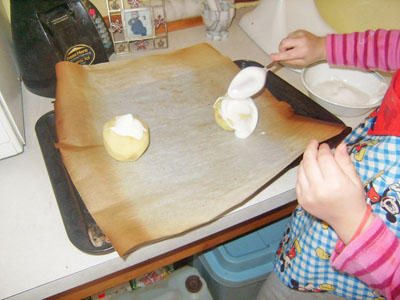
[193,171]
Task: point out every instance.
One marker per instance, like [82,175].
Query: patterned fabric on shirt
[303,257]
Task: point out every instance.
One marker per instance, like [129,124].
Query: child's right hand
[300,48]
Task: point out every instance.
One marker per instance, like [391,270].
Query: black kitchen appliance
[48,31]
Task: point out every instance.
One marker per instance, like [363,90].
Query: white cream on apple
[127,125]
[237,109]
[240,114]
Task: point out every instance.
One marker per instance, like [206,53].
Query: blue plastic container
[236,270]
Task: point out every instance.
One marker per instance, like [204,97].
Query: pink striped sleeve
[369,50]
[374,258]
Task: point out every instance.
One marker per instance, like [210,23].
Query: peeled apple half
[126,137]
[240,115]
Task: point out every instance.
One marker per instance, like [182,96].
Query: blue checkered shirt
[302,260]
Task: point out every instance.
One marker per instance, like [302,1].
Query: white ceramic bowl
[344,91]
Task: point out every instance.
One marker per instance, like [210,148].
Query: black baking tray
[81,228]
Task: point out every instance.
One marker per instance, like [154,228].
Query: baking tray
[81,229]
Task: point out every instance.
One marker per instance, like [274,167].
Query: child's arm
[329,188]
[373,257]
[369,50]
[378,49]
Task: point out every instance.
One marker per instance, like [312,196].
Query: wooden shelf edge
[201,245]
[185,23]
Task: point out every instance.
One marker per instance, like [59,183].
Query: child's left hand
[329,188]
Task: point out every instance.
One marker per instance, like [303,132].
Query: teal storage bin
[237,269]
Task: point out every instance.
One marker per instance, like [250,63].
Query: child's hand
[301,48]
[329,188]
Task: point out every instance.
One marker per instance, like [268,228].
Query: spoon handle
[272,64]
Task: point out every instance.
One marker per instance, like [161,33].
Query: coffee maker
[45,32]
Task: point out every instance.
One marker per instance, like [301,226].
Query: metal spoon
[249,81]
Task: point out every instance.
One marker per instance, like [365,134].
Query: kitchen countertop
[37,258]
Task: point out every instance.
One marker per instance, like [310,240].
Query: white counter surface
[37,259]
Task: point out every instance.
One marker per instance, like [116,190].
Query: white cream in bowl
[344,91]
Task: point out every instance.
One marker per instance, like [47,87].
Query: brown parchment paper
[193,171]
